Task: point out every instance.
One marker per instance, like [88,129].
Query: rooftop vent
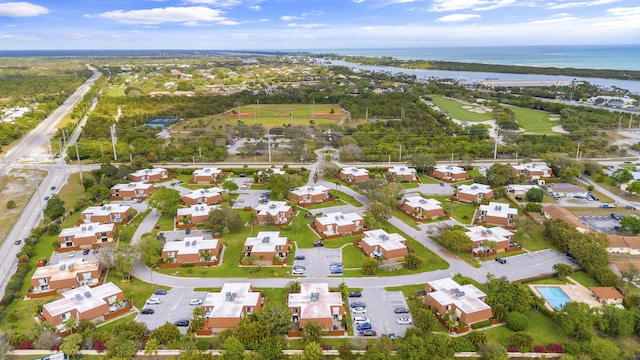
[87,294]
[84,228]
[79,297]
[454,290]
[104,208]
[384,237]
[207,170]
[230,296]
[186,243]
[459,293]
[498,208]
[474,187]
[315,297]
[70,267]
[337,217]
[489,232]
[63,266]
[266,239]
[272,206]
[90,227]
[341,216]
[423,201]
[109,207]
[193,243]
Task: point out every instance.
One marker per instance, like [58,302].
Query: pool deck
[575,291]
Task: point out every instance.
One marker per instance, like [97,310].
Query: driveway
[526,265]
[380,306]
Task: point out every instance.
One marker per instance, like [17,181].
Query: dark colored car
[299,257]
[363,326]
[18,242]
[367,333]
[401,310]
[147,311]
[355,294]
[358,304]
[86,252]
[160,292]
[501,260]
[183,322]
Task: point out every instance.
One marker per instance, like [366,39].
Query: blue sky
[313,24]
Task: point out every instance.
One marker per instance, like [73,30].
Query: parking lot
[248,198]
[601,223]
[173,306]
[380,306]
[520,266]
[318,261]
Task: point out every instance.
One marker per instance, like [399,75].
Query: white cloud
[401,1]
[165,15]
[219,3]
[229,22]
[625,11]
[255,7]
[555,6]
[557,18]
[21,9]
[359,1]
[495,5]
[454,18]
[289,18]
[477,5]
[264,20]
[18,37]
[306,26]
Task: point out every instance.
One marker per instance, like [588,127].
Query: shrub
[517,321]
[539,349]
[556,348]
[25,345]
[187,265]
[512,349]
[462,344]
[481,324]
[11,204]
[532,207]
[521,340]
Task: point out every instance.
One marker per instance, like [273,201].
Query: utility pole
[113,141]
[495,147]
[630,118]
[269,143]
[35,176]
[78,157]
[578,150]
[400,157]
[255,113]
[64,163]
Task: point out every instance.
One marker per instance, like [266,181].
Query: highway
[32,153]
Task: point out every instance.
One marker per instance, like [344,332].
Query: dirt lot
[19,186]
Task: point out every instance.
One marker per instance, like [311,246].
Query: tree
[270,348]
[311,332]
[535,195]
[422,162]
[634,187]
[222,218]
[477,338]
[501,174]
[457,240]
[616,322]
[166,200]
[522,340]
[197,319]
[517,321]
[229,185]
[622,176]
[281,185]
[151,347]
[233,349]
[576,319]
[293,287]
[54,208]
[277,317]
[562,270]
[312,351]
[492,351]
[379,211]
[631,223]
[568,173]
[424,319]
[150,250]
[412,261]
[71,344]
[370,266]
[122,349]
[166,333]
[11,204]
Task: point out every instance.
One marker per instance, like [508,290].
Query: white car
[153,301]
[360,319]
[72,254]
[195,302]
[359,310]
[404,321]
[298,271]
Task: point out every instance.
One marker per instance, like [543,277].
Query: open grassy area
[19,186]
[339,242]
[405,218]
[533,121]
[460,111]
[544,330]
[407,290]
[584,279]
[352,258]
[345,197]
[460,211]
[428,180]
[115,91]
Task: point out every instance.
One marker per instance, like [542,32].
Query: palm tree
[70,324]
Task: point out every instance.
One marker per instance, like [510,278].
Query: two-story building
[274,212]
[211,196]
[308,195]
[473,193]
[533,171]
[337,224]
[450,173]
[353,174]
[519,190]
[84,303]
[267,245]
[466,302]
[207,175]
[402,174]
[117,214]
[264,176]
[149,175]
[131,191]
[225,309]
[67,274]
[316,303]
[480,236]
[86,236]
[194,214]
[378,243]
[498,214]
[620,244]
[422,209]
[191,249]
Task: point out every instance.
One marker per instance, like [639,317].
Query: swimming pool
[554,296]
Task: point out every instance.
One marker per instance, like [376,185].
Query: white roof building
[474,189]
[230,302]
[135,186]
[199,193]
[107,209]
[315,301]
[450,169]
[208,171]
[499,210]
[190,245]
[85,230]
[355,171]
[83,299]
[149,172]
[266,242]
[273,208]
[478,234]
[418,202]
[311,190]
[403,171]
[381,238]
[196,210]
[339,218]
[470,302]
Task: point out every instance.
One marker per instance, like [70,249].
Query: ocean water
[616,57]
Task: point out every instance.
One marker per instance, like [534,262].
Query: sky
[313,24]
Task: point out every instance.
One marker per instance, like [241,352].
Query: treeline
[19,85]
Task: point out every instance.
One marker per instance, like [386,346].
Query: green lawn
[460,211]
[135,290]
[584,279]
[274,295]
[407,290]
[271,115]
[428,180]
[408,185]
[544,330]
[115,91]
[352,258]
[338,242]
[345,197]
[405,218]
[534,121]
[456,110]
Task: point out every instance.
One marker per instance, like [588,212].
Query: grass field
[534,121]
[115,92]
[456,110]
[544,330]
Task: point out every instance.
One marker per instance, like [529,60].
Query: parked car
[160,292]
[18,242]
[298,271]
[72,254]
[195,302]
[367,333]
[501,260]
[615,216]
[181,322]
[358,304]
[359,310]
[153,301]
[147,311]
[630,207]
[401,310]
[355,294]
[360,319]
[86,252]
[299,257]
[364,326]
[53,188]
[607,206]
[404,321]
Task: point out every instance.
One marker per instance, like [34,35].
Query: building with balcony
[66,274]
[85,236]
[316,303]
[380,244]
[498,214]
[276,213]
[337,224]
[149,175]
[267,245]
[226,308]
[466,302]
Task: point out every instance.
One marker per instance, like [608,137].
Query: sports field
[532,121]
[115,91]
[272,115]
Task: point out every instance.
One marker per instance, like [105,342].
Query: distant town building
[149,175]
[207,176]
